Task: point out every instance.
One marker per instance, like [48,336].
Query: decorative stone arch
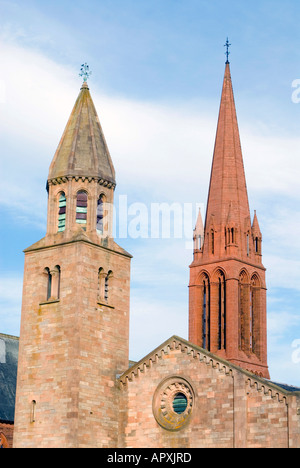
[3,441]
[217,273]
[202,276]
[244,276]
[256,280]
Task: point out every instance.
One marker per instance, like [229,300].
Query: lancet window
[244,311]
[255,314]
[205,312]
[221,311]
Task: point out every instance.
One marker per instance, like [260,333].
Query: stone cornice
[64,179]
[41,245]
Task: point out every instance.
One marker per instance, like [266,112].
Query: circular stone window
[173,403]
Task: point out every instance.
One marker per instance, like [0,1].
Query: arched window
[244,311]
[32,411]
[81,208]
[101,280]
[49,283]
[257,245]
[255,296]
[53,283]
[56,273]
[62,206]
[107,286]
[212,242]
[205,312]
[221,311]
[100,214]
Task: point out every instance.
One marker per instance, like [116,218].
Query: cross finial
[85,72]
[227,53]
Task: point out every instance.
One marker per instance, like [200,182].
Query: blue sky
[157,75]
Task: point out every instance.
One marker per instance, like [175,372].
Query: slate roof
[9,351]
[82,150]
[289,388]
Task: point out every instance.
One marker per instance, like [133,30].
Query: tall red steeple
[227,312]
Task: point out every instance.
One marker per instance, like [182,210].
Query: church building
[76,387]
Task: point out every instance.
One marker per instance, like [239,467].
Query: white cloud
[160,150]
[10,303]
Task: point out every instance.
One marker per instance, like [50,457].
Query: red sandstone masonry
[71,349]
[229,248]
[231,408]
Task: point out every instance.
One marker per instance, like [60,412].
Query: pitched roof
[175,342]
[82,151]
[9,350]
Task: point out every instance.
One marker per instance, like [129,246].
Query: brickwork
[71,348]
[231,408]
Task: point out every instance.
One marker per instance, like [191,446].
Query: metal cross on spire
[227,53]
[85,72]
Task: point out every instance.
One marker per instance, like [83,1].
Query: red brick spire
[228,198]
[227,312]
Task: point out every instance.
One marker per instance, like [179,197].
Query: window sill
[105,304]
[50,301]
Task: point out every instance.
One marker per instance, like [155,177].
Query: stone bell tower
[227,311]
[75,313]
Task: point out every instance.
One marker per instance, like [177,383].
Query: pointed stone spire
[228,182]
[257,238]
[255,226]
[227,289]
[82,151]
[199,232]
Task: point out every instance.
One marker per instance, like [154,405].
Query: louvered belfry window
[81,208]
[62,206]
[100,214]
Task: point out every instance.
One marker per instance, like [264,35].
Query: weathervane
[227,53]
[85,72]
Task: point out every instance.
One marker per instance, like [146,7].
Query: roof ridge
[174,342]
[13,337]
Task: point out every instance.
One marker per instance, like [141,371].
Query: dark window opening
[180,403]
